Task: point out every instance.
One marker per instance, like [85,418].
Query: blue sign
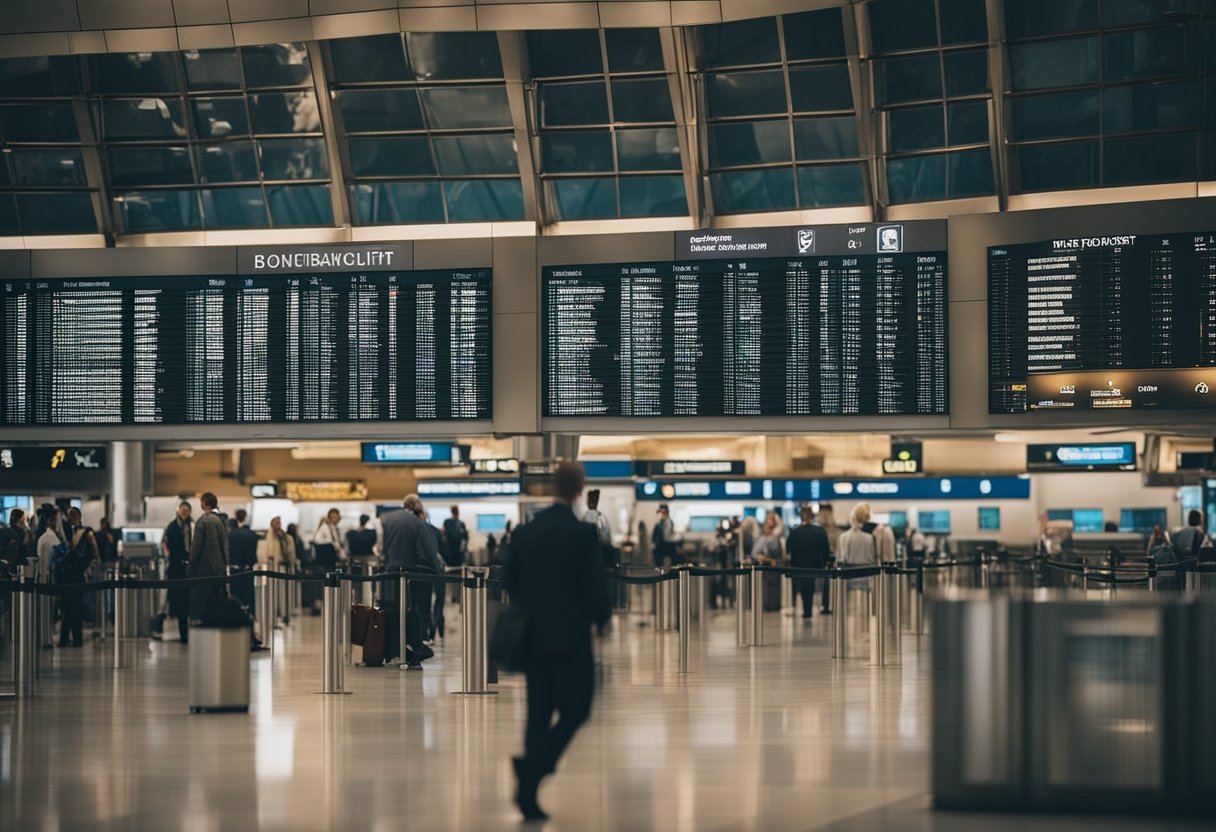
[414,453]
[1117,456]
[608,469]
[767,490]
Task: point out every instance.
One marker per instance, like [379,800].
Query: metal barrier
[743,596]
[475,664]
[25,644]
[757,628]
[333,613]
[264,608]
[685,602]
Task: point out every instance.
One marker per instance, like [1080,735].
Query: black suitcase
[772,591]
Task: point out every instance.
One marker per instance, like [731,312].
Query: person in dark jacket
[808,548]
[243,556]
[82,551]
[361,542]
[175,545]
[208,554]
[456,536]
[409,546]
[554,577]
[16,542]
[440,590]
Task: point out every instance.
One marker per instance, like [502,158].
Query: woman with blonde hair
[857,547]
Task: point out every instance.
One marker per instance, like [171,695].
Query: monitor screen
[1102,323]
[898,520]
[989,518]
[934,522]
[831,320]
[704,523]
[293,348]
[489,523]
[1142,519]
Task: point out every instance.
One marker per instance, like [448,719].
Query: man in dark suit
[175,544]
[809,549]
[553,574]
[408,545]
[243,556]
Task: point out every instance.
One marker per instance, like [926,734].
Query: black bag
[509,642]
[225,613]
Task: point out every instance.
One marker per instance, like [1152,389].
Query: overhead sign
[1111,456]
[326,492]
[905,459]
[825,490]
[494,466]
[608,469]
[52,458]
[808,241]
[414,453]
[1195,461]
[445,489]
[381,257]
[262,490]
[689,467]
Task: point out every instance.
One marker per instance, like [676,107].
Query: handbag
[509,643]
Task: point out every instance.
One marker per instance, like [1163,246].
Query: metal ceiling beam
[997,122]
[516,68]
[686,106]
[339,196]
[856,20]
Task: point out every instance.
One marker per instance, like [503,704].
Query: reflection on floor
[779,737]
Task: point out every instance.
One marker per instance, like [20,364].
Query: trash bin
[219,669]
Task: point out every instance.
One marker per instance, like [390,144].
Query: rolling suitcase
[360,619]
[374,638]
[219,669]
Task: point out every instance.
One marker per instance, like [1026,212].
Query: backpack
[73,561]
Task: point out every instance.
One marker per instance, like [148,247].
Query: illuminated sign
[494,466]
[905,459]
[328,492]
[1114,456]
[689,467]
[921,488]
[443,489]
[52,458]
[414,453]
[261,490]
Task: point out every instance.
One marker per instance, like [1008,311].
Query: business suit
[809,548]
[553,573]
[177,545]
[243,555]
[408,545]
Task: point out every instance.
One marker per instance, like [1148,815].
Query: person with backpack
[71,568]
[1190,539]
[15,540]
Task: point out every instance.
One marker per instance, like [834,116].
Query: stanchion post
[662,615]
[475,663]
[120,622]
[403,588]
[265,610]
[685,602]
[839,592]
[1152,575]
[25,645]
[757,607]
[878,599]
[333,665]
[895,647]
[345,602]
[1084,577]
[743,591]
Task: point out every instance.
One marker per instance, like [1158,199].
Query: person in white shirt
[48,539]
[328,543]
[596,518]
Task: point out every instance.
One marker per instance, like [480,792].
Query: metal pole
[895,648]
[840,617]
[1084,577]
[333,667]
[345,602]
[743,590]
[787,595]
[25,644]
[757,607]
[685,581]
[661,602]
[403,587]
[265,610]
[475,665]
[120,623]
[878,601]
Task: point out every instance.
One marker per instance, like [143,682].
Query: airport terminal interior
[824,391]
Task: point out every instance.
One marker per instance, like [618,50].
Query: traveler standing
[1190,539]
[435,626]
[857,547]
[809,549]
[361,542]
[49,537]
[767,547]
[456,535]
[15,540]
[664,538]
[327,545]
[72,569]
[107,542]
[554,577]
[293,531]
[408,546]
[208,555]
[243,557]
[280,546]
[175,545]
[603,530]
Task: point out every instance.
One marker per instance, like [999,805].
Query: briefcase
[509,642]
[360,618]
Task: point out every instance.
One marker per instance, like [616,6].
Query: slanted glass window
[191,139]
[608,141]
[427,125]
[779,99]
[1135,92]
[932,84]
[43,185]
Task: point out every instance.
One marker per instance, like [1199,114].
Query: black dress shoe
[526,784]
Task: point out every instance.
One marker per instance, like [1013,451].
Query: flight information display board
[293,348]
[1126,321]
[828,320]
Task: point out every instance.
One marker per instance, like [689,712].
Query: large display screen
[381,346]
[828,320]
[1096,323]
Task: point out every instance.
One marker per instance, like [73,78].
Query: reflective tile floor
[779,737]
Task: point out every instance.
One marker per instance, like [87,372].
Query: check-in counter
[1049,700]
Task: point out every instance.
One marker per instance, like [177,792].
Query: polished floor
[779,737]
